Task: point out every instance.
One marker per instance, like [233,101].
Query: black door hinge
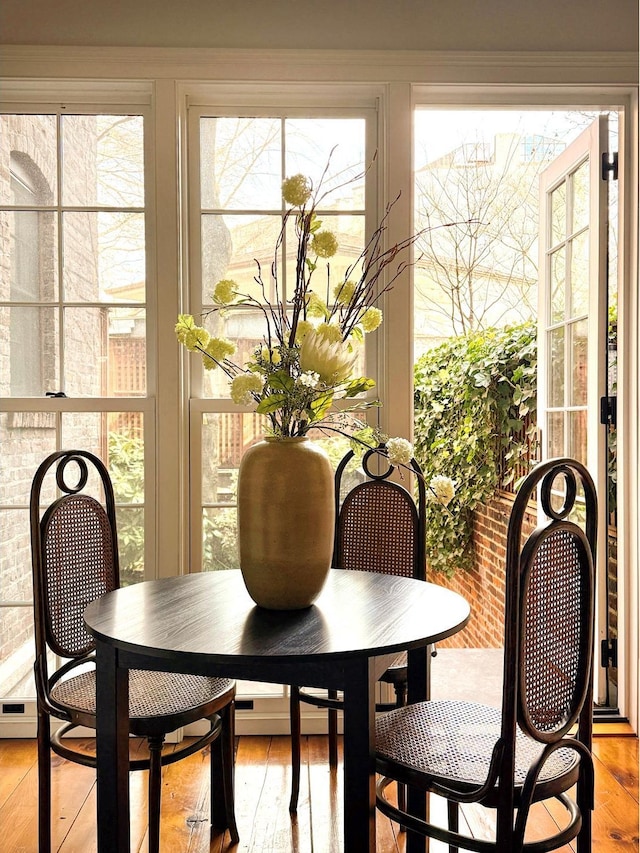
[610,166]
[609,411]
[608,653]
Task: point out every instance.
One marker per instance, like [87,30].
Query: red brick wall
[483,587]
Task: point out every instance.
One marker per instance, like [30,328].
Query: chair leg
[223,813]
[453,822]
[400,688]
[294,716]
[44,782]
[333,733]
[155,787]
[585,802]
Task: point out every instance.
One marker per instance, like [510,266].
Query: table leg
[418,690]
[112,750]
[359,758]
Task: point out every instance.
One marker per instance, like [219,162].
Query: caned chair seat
[151,695]
[451,743]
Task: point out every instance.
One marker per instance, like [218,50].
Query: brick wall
[483,587]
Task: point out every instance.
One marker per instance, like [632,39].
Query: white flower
[332,361]
[310,380]
[441,490]
[399,451]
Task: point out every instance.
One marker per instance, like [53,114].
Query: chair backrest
[550,606]
[74,552]
[379,525]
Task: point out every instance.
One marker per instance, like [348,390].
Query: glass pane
[558,285]
[555,435]
[558,214]
[28,159]
[580,197]
[231,246]
[225,438]
[15,558]
[219,539]
[130,523]
[32,249]
[312,143]
[105,352]
[102,160]
[555,370]
[240,163]
[92,431]
[29,359]
[578,347]
[103,257]
[578,435]
[25,438]
[580,275]
[17,648]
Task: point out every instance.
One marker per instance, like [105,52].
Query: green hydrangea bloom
[296,190]
[225,291]
[216,350]
[324,244]
[330,332]
[343,293]
[243,387]
[371,319]
[303,328]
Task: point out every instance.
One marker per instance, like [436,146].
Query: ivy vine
[474,401]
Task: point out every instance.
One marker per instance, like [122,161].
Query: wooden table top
[211,615]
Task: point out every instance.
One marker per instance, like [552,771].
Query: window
[73,325]
[237,212]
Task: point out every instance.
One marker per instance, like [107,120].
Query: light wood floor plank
[263,784]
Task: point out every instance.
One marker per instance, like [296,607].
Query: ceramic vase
[286,517]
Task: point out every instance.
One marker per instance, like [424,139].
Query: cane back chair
[379,528]
[538,745]
[75,559]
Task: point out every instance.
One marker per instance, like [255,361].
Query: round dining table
[207,624]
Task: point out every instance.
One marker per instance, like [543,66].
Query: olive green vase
[286,516]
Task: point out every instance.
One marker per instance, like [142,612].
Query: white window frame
[40,97]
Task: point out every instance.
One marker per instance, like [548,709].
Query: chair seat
[152,695]
[397,671]
[451,742]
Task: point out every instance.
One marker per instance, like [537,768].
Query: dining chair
[537,746]
[380,527]
[74,548]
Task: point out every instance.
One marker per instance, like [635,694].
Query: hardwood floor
[262,794]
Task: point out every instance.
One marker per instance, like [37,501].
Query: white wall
[513,25]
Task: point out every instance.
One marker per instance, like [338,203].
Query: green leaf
[359,386]
[281,381]
[271,404]
[320,405]
[473,395]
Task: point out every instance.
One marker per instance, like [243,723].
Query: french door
[576,348]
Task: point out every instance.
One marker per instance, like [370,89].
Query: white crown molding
[320,65]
